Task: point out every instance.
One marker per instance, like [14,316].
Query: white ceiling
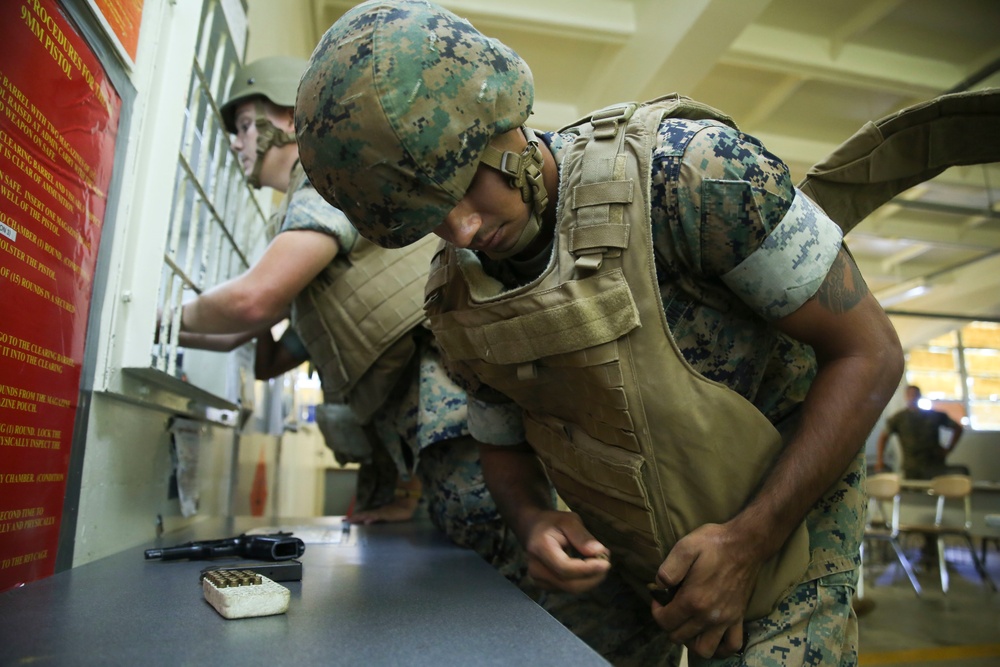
[801,75]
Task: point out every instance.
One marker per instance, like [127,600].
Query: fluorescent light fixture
[905,291]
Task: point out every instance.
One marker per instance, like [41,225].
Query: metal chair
[944,488]
[883,488]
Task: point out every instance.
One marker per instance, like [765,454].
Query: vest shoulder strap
[904,149]
[598,198]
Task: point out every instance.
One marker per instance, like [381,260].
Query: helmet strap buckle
[524,170]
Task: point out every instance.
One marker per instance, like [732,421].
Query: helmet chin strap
[268,136]
[525,173]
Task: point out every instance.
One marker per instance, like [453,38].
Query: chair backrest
[884,487]
[946,487]
[951,486]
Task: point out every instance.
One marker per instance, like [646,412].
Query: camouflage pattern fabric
[814,626]
[613,621]
[377,480]
[730,233]
[428,408]
[395,109]
[308,211]
[459,504]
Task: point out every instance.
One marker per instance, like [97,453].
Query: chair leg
[980,567]
[861,574]
[905,562]
[942,566]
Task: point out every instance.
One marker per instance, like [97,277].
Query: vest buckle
[590,261]
[607,120]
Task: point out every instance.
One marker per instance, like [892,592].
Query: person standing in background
[919,434]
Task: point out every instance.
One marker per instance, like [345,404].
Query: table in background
[393,594]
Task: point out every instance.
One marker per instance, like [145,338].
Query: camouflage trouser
[615,622]
[377,478]
[815,626]
[612,620]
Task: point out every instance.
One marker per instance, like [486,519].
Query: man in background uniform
[919,436]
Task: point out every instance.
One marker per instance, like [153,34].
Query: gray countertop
[392,594]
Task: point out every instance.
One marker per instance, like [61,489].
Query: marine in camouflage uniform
[420,429]
[398,113]
[422,425]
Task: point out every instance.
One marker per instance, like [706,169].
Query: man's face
[248,135]
[245,141]
[490,217]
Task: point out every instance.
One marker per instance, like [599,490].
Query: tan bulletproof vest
[894,153]
[635,440]
[353,319]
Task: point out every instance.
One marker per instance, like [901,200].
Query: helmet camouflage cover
[395,109]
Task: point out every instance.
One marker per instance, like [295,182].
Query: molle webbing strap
[572,313]
[899,151]
[353,317]
[437,277]
[602,191]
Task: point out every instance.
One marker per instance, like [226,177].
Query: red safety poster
[58,126]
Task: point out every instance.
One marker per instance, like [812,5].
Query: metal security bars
[216,221]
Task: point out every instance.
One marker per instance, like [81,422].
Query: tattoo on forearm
[844,287]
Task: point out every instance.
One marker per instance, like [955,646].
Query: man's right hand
[563,555]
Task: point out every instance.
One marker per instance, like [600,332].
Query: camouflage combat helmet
[396,109]
[275,79]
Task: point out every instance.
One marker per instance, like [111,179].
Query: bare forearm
[880,452]
[272,358]
[262,295]
[214,342]
[226,310]
[833,429]
[860,363]
[518,484]
[956,433]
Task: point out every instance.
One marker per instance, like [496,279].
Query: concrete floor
[957,629]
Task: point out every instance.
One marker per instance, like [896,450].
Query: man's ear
[288,119]
[282,117]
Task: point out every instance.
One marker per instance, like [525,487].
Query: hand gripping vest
[354,316]
[638,443]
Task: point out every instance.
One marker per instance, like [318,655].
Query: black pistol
[273,547]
